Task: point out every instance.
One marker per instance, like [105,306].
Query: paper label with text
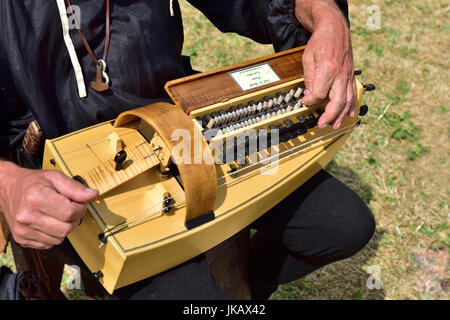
[254,77]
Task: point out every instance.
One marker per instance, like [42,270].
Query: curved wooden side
[198,176]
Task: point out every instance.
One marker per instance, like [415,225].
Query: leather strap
[83,38]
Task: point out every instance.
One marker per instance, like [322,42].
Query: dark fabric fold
[287,31]
[9,284]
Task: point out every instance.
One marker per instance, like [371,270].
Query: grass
[398,161]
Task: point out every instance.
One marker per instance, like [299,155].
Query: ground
[398,160]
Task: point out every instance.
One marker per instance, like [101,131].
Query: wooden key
[115,143]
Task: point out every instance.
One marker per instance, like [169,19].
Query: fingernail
[90,190]
[352,113]
[307,91]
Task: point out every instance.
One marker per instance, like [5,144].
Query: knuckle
[331,67]
[23,217]
[19,234]
[319,95]
[23,243]
[63,231]
[68,215]
[55,176]
[33,197]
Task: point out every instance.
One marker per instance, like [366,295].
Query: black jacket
[37,78]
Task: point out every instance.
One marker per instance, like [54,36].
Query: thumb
[73,189]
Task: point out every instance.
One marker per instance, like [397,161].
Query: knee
[335,235]
[355,231]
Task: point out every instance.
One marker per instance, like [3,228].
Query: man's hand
[41,207]
[327,60]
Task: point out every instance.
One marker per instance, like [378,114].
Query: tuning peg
[358,72]
[363,110]
[120,157]
[369,87]
[80,180]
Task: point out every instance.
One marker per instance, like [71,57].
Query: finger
[27,236]
[52,227]
[350,102]
[322,83]
[351,112]
[34,245]
[61,208]
[37,221]
[70,188]
[308,70]
[338,100]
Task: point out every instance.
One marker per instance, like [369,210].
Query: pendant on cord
[99,85]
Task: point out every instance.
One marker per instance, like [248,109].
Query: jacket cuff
[287,32]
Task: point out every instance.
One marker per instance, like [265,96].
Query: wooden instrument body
[162,241]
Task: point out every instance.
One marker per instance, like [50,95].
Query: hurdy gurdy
[175,181]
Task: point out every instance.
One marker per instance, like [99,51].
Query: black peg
[288,123]
[167,202]
[301,119]
[284,133]
[369,87]
[120,157]
[201,122]
[97,275]
[290,126]
[205,121]
[363,110]
[80,180]
[358,72]
[300,129]
[311,122]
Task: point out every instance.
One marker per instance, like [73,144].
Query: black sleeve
[265,21]
[14,115]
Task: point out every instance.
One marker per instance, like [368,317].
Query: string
[289,150]
[279,160]
[110,233]
[90,145]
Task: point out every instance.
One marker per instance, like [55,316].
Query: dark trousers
[321,222]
